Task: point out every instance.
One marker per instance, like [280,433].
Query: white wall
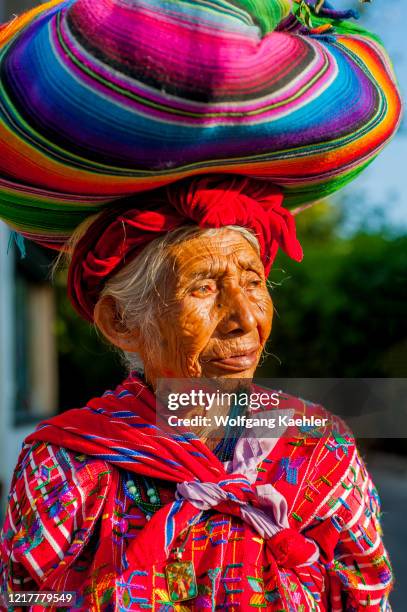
[11,437]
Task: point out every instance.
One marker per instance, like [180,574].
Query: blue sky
[383,186]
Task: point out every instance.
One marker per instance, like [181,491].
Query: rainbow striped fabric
[104,98]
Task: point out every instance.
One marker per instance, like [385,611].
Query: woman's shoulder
[55,498]
[308,419]
[45,464]
[55,483]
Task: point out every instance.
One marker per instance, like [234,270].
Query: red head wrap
[118,235]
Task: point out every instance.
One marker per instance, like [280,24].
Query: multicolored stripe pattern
[101,99]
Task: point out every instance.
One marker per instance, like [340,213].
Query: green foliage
[342,311]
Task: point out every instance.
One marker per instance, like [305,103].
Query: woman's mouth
[238,362]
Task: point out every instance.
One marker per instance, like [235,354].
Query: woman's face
[216,311]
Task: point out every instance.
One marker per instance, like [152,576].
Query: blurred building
[28,356]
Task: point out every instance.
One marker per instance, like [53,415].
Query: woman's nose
[238,313]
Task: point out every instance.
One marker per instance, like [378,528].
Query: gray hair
[135,288]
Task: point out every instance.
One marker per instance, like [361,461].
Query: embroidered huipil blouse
[72,519]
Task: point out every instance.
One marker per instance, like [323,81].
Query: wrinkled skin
[215,313]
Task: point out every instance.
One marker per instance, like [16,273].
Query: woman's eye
[203,290]
[254,282]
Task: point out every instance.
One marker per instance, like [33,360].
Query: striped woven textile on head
[100,99]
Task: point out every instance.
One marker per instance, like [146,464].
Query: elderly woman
[187,126]
[130,516]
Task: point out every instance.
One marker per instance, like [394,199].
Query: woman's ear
[108,320]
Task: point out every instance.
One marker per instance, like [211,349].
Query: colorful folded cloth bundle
[102,99]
